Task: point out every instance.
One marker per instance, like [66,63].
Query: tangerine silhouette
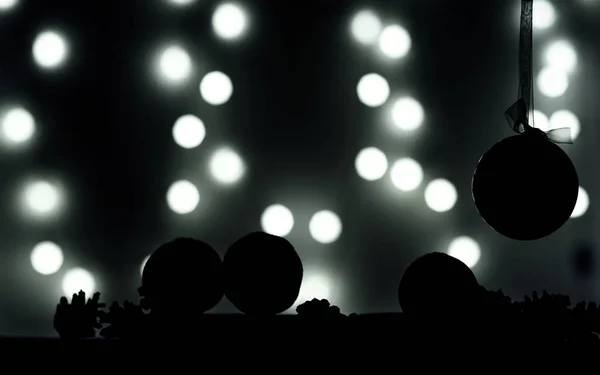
[525,187]
[437,284]
[183,276]
[263,274]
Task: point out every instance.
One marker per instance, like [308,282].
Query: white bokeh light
[394,41]
[229,21]
[277,220]
[6,5]
[561,55]
[544,14]
[365,27]
[183,197]
[406,174]
[78,279]
[582,205]
[373,90]
[407,114]
[566,119]
[539,120]
[144,261]
[41,197]
[440,195]
[216,88]
[189,131]
[46,258]
[50,49]
[315,284]
[371,164]
[226,166]
[181,2]
[175,64]
[552,82]
[18,126]
[325,227]
[466,250]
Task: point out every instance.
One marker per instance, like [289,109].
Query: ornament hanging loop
[517,115]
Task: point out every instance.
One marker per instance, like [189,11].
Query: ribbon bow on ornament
[517,114]
[518,121]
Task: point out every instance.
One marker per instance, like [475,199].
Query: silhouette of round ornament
[184,275]
[263,274]
[525,187]
[437,284]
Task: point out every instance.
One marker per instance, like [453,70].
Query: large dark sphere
[183,275]
[263,274]
[525,187]
[439,285]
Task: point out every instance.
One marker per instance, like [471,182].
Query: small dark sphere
[584,261]
[183,276]
[440,285]
[263,274]
[525,187]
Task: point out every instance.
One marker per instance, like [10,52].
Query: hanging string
[517,115]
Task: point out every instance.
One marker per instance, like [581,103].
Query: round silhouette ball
[263,274]
[184,272]
[438,284]
[525,187]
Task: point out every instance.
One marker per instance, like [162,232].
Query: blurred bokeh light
[325,227]
[315,284]
[226,166]
[6,5]
[183,197]
[42,198]
[47,258]
[440,195]
[277,220]
[566,119]
[560,54]
[552,82]
[466,250]
[229,21]
[216,88]
[78,279]
[181,2]
[407,114]
[366,27]
[394,41]
[582,205]
[50,49]
[189,131]
[371,164]
[539,120]
[407,174]
[18,126]
[373,90]
[174,64]
[544,14]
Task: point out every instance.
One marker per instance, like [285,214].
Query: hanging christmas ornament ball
[525,187]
